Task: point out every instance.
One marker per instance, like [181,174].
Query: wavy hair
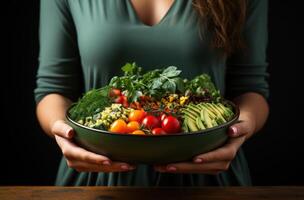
[225,19]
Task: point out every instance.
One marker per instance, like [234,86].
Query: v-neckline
[137,18]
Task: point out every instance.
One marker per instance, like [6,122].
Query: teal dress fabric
[83,43]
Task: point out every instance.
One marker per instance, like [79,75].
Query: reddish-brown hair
[225,18]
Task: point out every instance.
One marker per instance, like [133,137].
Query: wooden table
[114,193]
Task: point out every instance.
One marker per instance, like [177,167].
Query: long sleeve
[59,63]
[247,68]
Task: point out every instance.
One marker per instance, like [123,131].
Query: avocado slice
[200,124]
[191,124]
[207,119]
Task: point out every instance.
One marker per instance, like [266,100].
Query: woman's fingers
[225,153]
[187,167]
[238,130]
[73,152]
[245,126]
[62,129]
[88,167]
[209,163]
[83,160]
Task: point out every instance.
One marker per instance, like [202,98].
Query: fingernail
[106,163]
[171,168]
[124,167]
[233,131]
[69,133]
[198,160]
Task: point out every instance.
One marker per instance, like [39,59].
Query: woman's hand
[218,160]
[81,159]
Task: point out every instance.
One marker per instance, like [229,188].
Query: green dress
[83,43]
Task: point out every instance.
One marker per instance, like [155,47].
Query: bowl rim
[206,131]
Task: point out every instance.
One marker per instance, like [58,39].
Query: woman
[84,43]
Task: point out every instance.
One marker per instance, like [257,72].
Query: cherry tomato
[162,116]
[119,126]
[115,92]
[133,126]
[171,125]
[125,102]
[137,115]
[122,100]
[119,99]
[151,122]
[158,131]
[138,132]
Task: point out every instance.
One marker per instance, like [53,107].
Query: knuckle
[58,127]
[85,157]
[54,127]
[70,164]
[206,158]
[231,154]
[226,166]
[64,152]
[67,154]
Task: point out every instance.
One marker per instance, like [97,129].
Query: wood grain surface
[134,193]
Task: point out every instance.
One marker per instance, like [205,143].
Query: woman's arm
[51,109]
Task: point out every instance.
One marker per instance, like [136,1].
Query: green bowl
[151,149]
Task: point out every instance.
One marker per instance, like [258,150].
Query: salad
[155,102]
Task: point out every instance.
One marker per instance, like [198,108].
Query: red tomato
[119,126]
[119,99]
[137,115]
[158,131]
[115,92]
[163,116]
[122,100]
[151,122]
[125,102]
[171,125]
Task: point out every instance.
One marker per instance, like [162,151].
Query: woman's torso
[109,34]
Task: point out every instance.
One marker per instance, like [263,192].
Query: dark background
[29,157]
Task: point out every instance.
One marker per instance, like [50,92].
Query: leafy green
[153,83]
[159,82]
[171,72]
[203,86]
[92,102]
[180,85]
[131,69]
